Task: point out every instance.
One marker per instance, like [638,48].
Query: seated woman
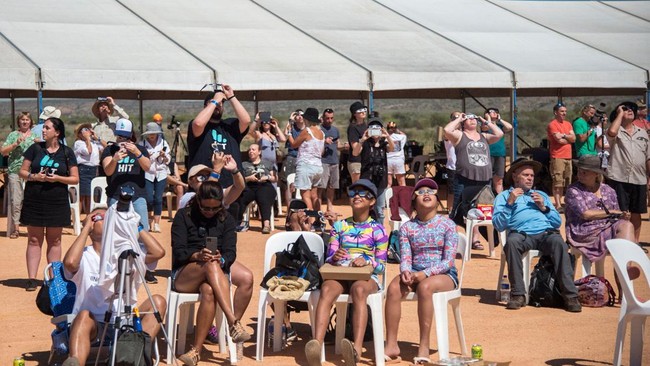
[361,241]
[196,268]
[592,212]
[428,245]
[260,176]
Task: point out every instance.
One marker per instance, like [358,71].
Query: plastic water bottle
[505,289]
[137,322]
[269,334]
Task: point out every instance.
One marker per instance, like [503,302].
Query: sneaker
[266,230]
[191,357]
[71,361]
[242,227]
[155,228]
[213,335]
[516,302]
[291,335]
[150,278]
[31,285]
[572,305]
[238,333]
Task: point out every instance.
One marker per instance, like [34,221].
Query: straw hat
[95,108]
[535,165]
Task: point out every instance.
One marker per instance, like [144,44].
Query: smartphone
[265,116]
[211,243]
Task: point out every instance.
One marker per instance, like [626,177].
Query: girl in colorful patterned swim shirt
[356,241]
[428,246]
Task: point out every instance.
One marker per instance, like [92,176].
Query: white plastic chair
[253,206]
[376,303]
[586,263]
[633,311]
[98,188]
[440,302]
[180,307]
[277,243]
[171,197]
[526,259]
[470,224]
[75,207]
[278,198]
[419,167]
[291,179]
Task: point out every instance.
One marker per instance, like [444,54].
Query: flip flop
[477,245]
[350,356]
[312,352]
[392,360]
[421,361]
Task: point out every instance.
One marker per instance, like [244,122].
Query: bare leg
[149,322]
[497,182]
[557,196]
[401,179]
[635,219]
[390,180]
[83,328]
[204,315]
[359,292]
[355,177]
[329,196]
[53,237]
[35,235]
[329,292]
[393,312]
[242,277]
[425,291]
[315,198]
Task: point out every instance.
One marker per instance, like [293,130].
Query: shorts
[330,177]
[354,168]
[631,197]
[561,171]
[288,167]
[308,176]
[498,166]
[453,274]
[396,166]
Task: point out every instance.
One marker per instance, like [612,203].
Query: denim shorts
[308,176]
[452,273]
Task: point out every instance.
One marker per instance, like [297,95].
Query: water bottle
[137,322]
[269,334]
[505,289]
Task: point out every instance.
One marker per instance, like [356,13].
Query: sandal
[312,352]
[238,333]
[392,360]
[421,360]
[14,235]
[477,245]
[350,356]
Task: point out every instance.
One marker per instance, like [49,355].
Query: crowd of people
[611,193]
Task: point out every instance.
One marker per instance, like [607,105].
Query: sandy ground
[530,336]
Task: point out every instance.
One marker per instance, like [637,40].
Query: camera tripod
[127,266]
[178,139]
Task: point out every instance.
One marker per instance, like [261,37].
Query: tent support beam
[141,110]
[515,125]
[13,110]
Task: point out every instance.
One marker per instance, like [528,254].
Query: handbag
[296,260]
[595,292]
[133,348]
[57,295]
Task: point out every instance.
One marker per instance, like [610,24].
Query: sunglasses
[201,178]
[363,193]
[362,110]
[423,191]
[85,129]
[210,209]
[328,110]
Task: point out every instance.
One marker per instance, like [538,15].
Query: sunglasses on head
[423,191]
[363,193]
[328,110]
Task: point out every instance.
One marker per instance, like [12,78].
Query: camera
[173,123]
[259,175]
[126,195]
[599,117]
[374,131]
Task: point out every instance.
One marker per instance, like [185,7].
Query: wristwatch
[235,171]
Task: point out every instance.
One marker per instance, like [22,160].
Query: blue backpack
[56,296]
[394,255]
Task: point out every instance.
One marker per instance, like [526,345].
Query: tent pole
[371,100]
[39,102]
[141,110]
[463,102]
[257,103]
[515,125]
[647,97]
[13,110]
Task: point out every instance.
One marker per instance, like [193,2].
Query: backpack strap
[610,291]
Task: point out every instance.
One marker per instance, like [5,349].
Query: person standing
[450,151]
[330,179]
[560,137]
[268,136]
[103,109]
[87,149]
[396,157]
[16,144]
[497,149]
[585,132]
[294,128]
[629,163]
[156,176]
[48,167]
[356,129]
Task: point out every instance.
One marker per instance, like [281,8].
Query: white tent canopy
[294,49]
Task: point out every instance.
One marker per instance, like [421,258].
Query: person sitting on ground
[592,212]
[260,176]
[428,245]
[360,241]
[196,268]
[531,222]
[81,266]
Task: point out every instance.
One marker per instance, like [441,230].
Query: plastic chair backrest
[623,252]
[460,251]
[62,292]
[388,194]
[278,242]
[73,192]
[419,164]
[98,183]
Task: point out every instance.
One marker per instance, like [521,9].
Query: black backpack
[393,254]
[544,290]
[297,260]
[133,348]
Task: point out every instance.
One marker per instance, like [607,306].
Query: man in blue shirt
[532,223]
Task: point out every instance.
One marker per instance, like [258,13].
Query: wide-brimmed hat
[49,112]
[153,129]
[124,128]
[81,127]
[297,204]
[95,108]
[198,169]
[426,182]
[357,106]
[367,184]
[537,166]
[641,104]
[591,163]
[311,115]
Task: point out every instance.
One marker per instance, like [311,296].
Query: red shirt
[556,149]
[642,123]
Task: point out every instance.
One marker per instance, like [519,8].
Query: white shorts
[396,166]
[307,176]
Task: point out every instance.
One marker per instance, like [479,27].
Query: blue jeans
[380,204]
[140,206]
[155,191]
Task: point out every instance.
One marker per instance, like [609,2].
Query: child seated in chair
[82,266]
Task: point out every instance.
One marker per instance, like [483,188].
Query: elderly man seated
[532,223]
[82,266]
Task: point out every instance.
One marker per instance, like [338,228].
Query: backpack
[296,260]
[57,295]
[133,348]
[544,290]
[394,255]
[595,292]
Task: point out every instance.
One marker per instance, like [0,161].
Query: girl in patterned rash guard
[428,246]
[356,241]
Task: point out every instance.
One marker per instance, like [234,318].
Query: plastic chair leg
[637,325]
[170,323]
[620,339]
[261,325]
[455,305]
[442,328]
[376,313]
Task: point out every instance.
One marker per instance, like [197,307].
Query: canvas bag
[484,196]
[595,292]
[296,260]
[56,296]
[133,348]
